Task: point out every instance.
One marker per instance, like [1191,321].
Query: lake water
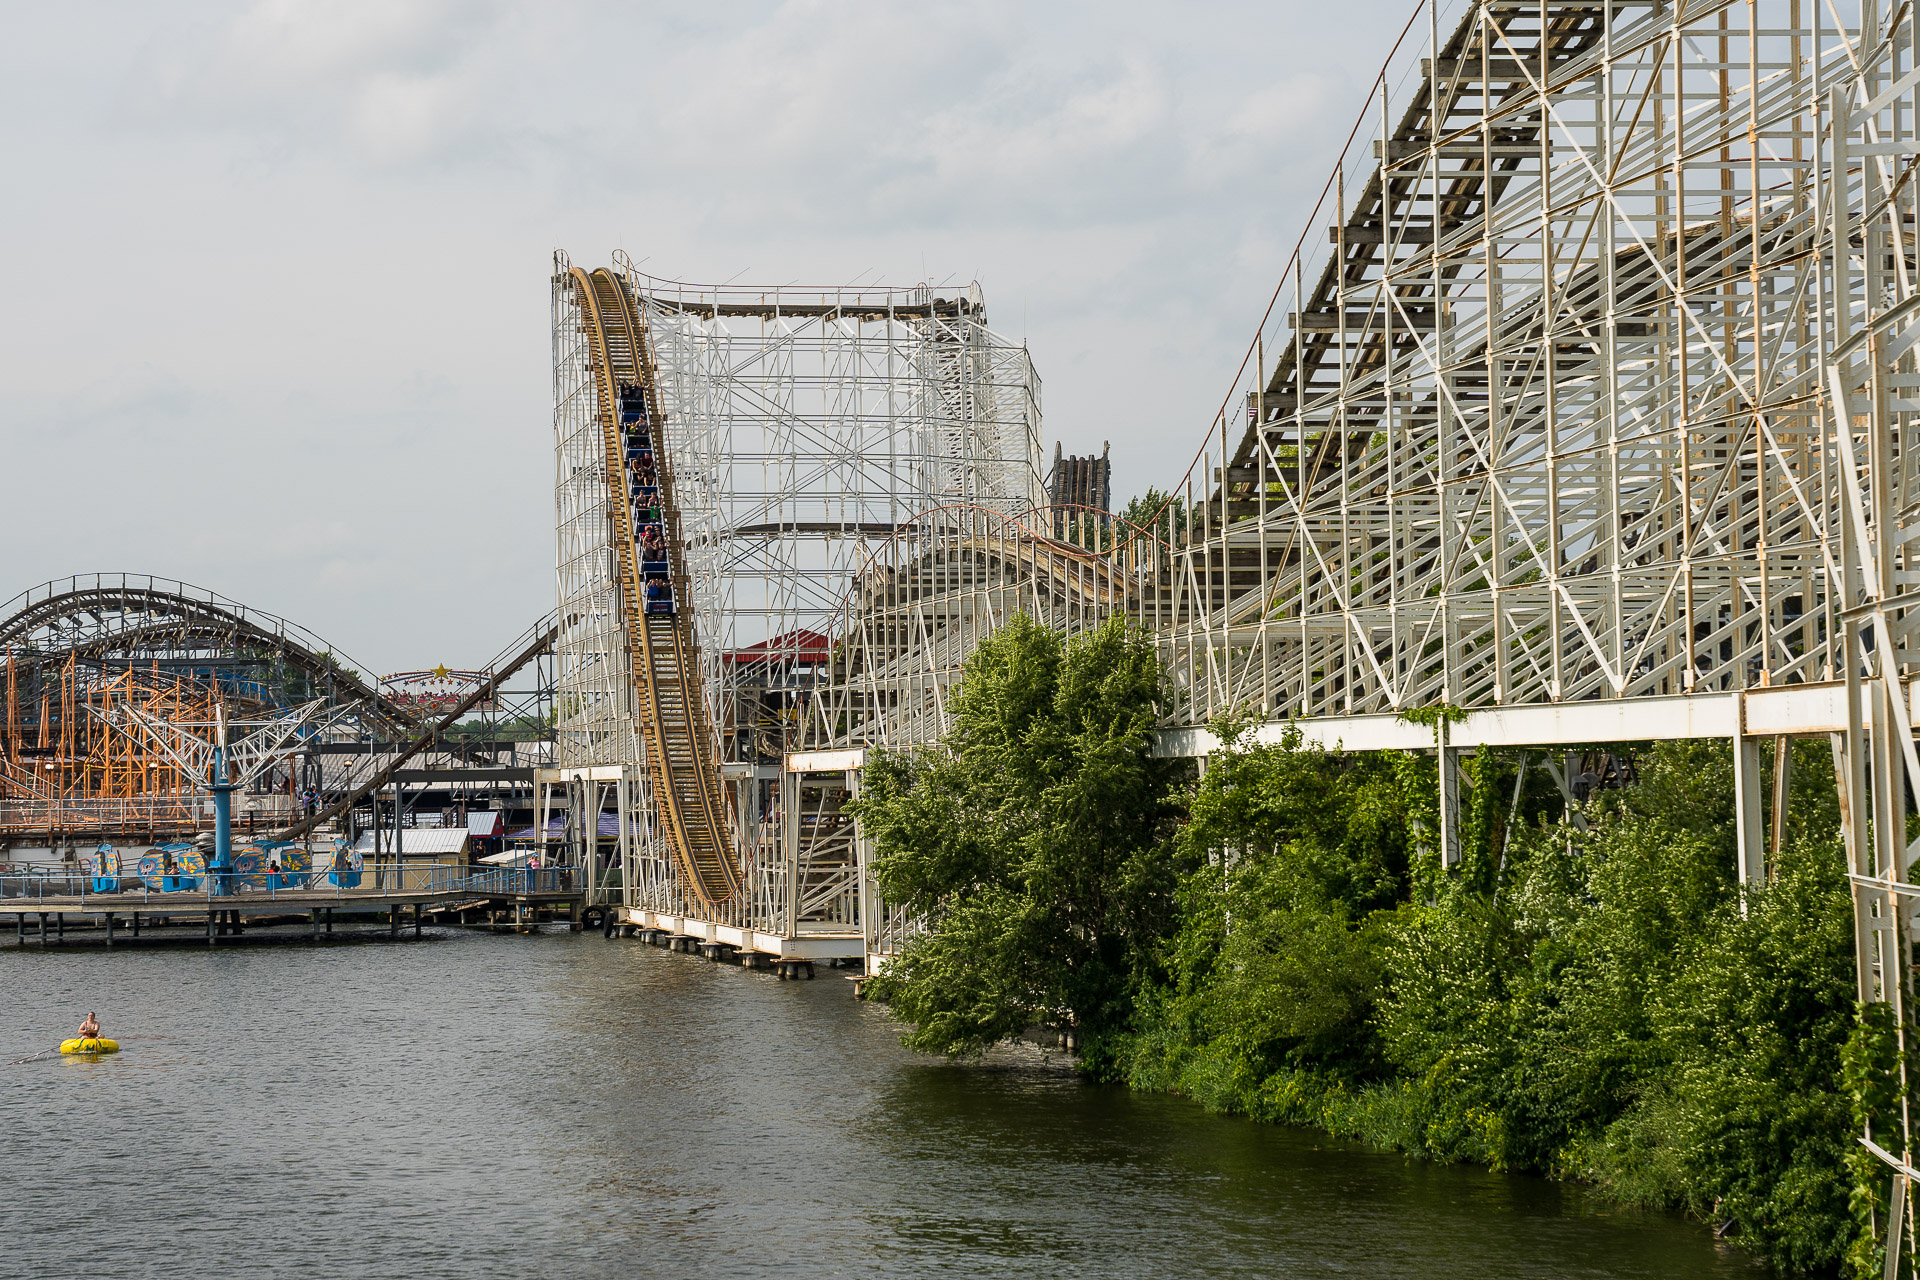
[566,1105]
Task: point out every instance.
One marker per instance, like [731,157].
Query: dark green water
[565,1105]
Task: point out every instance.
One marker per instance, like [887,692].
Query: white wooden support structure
[1750,851]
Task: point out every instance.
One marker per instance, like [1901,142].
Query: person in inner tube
[90,1029]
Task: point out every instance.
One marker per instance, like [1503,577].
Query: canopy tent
[557,828]
[416,842]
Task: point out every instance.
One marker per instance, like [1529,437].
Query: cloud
[315,43]
[276,307]
[383,82]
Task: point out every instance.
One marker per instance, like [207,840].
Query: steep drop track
[681,753]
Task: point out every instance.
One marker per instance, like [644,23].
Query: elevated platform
[44,918]
[811,946]
[290,902]
[424,888]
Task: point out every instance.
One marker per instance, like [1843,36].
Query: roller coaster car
[633,402]
[659,597]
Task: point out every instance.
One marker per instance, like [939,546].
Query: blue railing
[516,880]
[370,880]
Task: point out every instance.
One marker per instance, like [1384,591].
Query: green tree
[1625,1014]
[525,727]
[1266,999]
[1032,844]
[1604,1004]
[1152,511]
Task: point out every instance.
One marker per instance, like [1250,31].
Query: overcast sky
[274,303]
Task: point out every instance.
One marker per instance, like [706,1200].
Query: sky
[274,304]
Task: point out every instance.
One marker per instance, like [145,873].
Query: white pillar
[1449,795]
[623,803]
[1749,837]
[790,849]
[1782,795]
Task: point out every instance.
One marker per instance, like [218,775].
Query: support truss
[1594,396]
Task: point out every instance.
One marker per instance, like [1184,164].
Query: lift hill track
[682,758]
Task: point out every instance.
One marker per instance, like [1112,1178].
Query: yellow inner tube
[91,1044]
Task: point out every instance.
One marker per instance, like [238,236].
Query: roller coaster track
[127,613]
[1309,379]
[531,644]
[681,752]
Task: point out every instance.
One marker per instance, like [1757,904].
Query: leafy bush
[1604,1004]
[1031,843]
[1598,1004]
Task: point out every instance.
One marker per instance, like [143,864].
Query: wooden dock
[44,919]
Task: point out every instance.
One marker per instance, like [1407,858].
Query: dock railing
[372,880]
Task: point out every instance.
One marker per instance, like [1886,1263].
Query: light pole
[220,869]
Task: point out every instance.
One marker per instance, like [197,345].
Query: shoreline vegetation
[1275,939]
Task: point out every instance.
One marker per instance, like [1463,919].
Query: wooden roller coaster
[682,756]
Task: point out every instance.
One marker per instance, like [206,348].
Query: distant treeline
[1276,939]
[519,728]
